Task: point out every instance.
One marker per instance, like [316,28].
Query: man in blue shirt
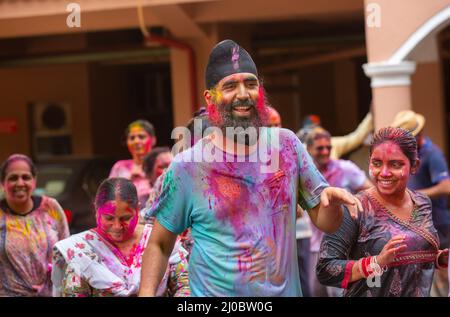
[432,179]
[242,217]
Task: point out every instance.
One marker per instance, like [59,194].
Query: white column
[391,89]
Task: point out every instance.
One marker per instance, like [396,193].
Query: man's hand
[333,196]
[327,216]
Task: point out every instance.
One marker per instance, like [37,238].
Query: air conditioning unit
[51,129]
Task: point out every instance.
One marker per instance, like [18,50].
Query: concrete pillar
[391,89]
[181,91]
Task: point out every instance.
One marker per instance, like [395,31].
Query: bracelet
[437,261]
[369,266]
[364,266]
[384,268]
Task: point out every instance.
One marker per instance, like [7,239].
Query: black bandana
[227,58]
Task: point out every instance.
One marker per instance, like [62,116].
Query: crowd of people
[300,222]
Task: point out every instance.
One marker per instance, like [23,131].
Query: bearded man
[242,215]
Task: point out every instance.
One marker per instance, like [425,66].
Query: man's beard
[228,120]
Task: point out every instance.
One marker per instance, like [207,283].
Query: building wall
[383,41]
[58,83]
[428,99]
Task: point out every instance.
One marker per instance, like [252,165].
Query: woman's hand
[394,246]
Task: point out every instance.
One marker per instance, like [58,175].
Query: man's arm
[327,215]
[155,258]
[440,189]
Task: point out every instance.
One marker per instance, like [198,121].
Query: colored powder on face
[148,145]
[371,174]
[137,129]
[216,95]
[109,208]
[129,230]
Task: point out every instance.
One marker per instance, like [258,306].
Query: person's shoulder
[419,198]
[286,133]
[181,159]
[286,137]
[122,164]
[434,150]
[180,166]
[364,197]
[48,203]
[74,239]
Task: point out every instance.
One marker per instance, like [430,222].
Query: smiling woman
[106,260]
[392,249]
[29,227]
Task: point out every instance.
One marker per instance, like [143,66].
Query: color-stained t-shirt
[343,174]
[242,215]
[26,243]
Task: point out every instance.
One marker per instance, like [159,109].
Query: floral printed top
[26,243]
[410,274]
[87,265]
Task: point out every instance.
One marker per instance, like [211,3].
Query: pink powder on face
[148,145]
[131,226]
[109,208]
[213,114]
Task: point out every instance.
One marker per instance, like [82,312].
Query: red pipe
[191,55]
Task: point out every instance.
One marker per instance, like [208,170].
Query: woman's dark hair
[403,138]
[150,159]
[144,124]
[116,188]
[14,158]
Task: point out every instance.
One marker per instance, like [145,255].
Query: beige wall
[67,83]
[399,19]
[181,89]
[428,99]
